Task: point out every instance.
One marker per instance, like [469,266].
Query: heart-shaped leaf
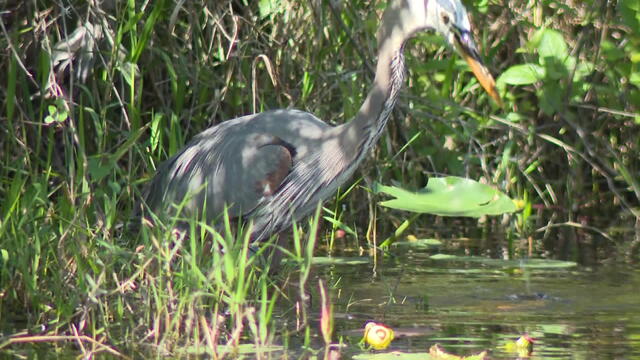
[449,196]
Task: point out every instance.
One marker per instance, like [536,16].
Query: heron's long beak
[467,48]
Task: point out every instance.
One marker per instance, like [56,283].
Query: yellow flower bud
[377,336]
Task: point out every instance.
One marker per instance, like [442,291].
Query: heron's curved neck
[371,119]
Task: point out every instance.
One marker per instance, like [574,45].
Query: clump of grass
[175,293]
[204,288]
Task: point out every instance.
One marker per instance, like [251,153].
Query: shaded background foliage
[95,94]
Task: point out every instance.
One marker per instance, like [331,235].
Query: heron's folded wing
[265,162]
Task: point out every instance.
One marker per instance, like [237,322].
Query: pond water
[468,305]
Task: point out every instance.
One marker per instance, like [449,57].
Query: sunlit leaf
[635,79]
[514,117]
[549,43]
[269,7]
[612,52]
[449,196]
[523,74]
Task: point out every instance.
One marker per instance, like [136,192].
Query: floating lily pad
[449,196]
[418,243]
[435,353]
[394,355]
[525,263]
[242,349]
[340,260]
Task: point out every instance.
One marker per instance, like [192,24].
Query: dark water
[471,305]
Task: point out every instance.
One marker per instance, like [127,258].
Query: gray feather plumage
[222,165]
[275,167]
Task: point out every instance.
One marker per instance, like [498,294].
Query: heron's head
[449,19]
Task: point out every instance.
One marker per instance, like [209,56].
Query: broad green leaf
[550,98]
[523,74]
[449,196]
[99,167]
[635,79]
[269,7]
[584,68]
[549,43]
[515,117]
[611,52]
[629,10]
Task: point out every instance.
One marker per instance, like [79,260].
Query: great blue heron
[275,167]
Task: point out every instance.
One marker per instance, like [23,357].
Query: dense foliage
[93,95]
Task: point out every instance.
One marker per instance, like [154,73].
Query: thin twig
[579,226]
[606,110]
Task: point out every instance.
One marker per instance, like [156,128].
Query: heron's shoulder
[286,124]
[278,116]
[290,115]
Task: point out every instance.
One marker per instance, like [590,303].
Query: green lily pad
[242,349]
[449,196]
[418,243]
[340,260]
[528,263]
[435,353]
[393,355]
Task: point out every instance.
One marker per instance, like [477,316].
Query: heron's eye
[445,19]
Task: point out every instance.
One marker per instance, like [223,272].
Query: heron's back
[227,165]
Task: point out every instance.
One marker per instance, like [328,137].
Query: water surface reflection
[470,306]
